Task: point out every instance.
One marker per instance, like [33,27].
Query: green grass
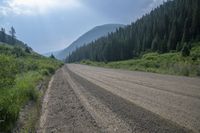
[169,63]
[20,73]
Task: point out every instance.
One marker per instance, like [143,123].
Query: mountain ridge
[86,38]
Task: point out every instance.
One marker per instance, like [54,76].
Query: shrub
[185,50]
[51,69]
[13,99]
[44,72]
[18,52]
[5,50]
[20,72]
[28,50]
[52,56]
[198,70]
[185,71]
[9,111]
[195,52]
[8,70]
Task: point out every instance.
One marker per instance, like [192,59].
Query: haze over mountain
[88,37]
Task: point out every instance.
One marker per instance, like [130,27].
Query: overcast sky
[51,25]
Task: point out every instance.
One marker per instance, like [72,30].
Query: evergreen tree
[155,43]
[27,50]
[52,56]
[3,35]
[196,21]
[12,33]
[164,29]
[172,41]
[186,33]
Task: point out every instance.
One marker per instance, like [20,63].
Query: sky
[51,25]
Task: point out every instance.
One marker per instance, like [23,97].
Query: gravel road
[91,99]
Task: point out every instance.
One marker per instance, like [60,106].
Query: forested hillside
[11,39]
[92,35]
[172,26]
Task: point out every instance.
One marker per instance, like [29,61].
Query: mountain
[86,38]
[173,26]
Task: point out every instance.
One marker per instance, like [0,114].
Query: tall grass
[12,99]
[19,76]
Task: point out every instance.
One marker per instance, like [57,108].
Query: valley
[110,66]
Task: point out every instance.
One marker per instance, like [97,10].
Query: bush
[52,56]
[9,111]
[185,51]
[28,50]
[20,72]
[195,52]
[185,71]
[5,50]
[44,72]
[13,99]
[51,70]
[18,52]
[8,70]
[198,70]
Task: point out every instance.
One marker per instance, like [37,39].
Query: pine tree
[12,33]
[52,56]
[195,20]
[172,41]
[186,36]
[27,49]
[155,43]
[3,35]
[164,29]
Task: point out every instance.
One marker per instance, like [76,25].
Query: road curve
[108,100]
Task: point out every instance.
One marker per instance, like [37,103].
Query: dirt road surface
[85,99]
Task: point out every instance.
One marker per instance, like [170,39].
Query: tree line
[172,26]
[10,39]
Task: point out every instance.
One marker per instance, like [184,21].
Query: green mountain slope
[167,28]
[5,38]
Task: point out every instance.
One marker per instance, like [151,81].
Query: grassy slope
[169,63]
[20,72]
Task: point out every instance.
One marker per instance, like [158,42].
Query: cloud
[33,7]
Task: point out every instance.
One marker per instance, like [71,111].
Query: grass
[19,76]
[12,99]
[169,63]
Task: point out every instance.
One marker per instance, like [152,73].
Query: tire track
[182,109]
[63,111]
[139,119]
